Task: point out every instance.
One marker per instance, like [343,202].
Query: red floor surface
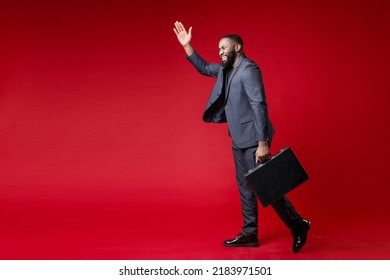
[101,230]
[108,242]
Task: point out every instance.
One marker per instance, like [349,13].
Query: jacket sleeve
[254,89]
[203,67]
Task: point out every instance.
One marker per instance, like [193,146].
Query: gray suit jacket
[242,104]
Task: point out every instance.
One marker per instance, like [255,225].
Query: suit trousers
[244,160]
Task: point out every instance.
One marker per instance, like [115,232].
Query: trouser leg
[286,212]
[249,207]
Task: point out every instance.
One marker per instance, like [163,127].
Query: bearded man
[238,98]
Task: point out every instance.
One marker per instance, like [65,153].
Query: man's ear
[237,48]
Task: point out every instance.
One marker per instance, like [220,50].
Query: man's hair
[236,39]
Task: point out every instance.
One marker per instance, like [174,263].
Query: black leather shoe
[242,240]
[300,235]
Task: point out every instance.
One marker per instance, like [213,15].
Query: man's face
[227,52]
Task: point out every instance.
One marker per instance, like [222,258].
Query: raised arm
[184,37]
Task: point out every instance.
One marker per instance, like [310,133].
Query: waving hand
[184,37]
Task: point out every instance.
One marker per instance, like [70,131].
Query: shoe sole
[255,244]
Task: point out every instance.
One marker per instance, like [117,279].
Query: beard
[228,63]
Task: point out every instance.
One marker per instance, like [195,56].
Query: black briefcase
[276,177]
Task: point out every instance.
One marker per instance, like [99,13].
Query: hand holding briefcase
[276,177]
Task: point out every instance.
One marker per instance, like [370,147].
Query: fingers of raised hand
[179,27]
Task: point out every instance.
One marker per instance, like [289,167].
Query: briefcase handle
[269,156]
[266,158]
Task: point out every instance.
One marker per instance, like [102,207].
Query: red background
[103,154]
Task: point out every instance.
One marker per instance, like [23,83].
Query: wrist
[188,49]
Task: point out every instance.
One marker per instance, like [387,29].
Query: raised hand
[183,36]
